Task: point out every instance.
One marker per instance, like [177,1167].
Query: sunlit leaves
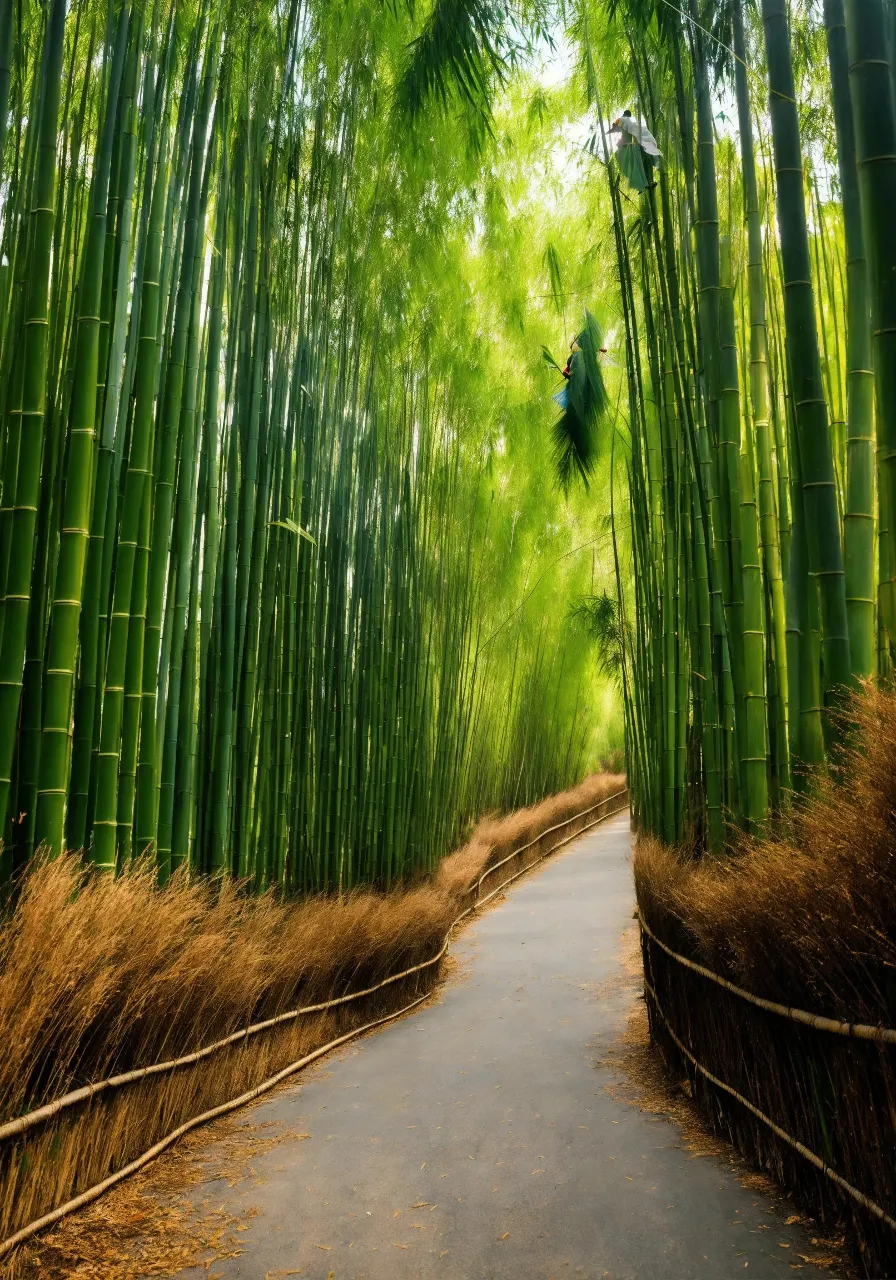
[555,275]
[458,52]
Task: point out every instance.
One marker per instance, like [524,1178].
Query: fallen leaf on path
[421,1204]
[401,1246]
[505,1235]
[794,1217]
[326,1247]
[397,1213]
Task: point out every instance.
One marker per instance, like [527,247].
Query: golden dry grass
[495,836]
[99,976]
[160,1222]
[805,917]
[808,916]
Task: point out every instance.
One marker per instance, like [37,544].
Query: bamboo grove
[258,590]
[758,414]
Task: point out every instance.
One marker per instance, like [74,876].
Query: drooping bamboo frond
[459,51]
[601,619]
[555,275]
[583,405]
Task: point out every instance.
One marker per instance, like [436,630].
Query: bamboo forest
[426,426]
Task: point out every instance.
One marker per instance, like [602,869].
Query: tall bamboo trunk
[874,108]
[759,404]
[128,613]
[813,439]
[62,647]
[859,516]
[27,434]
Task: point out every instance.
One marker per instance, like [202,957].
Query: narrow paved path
[476,1139]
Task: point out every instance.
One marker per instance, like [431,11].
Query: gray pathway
[476,1139]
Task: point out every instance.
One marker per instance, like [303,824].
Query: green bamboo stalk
[104,517]
[5,70]
[873,101]
[164,470]
[822,524]
[182,554]
[859,518]
[753,740]
[62,646]
[131,702]
[759,404]
[137,482]
[18,535]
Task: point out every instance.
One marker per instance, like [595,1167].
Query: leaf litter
[151,1225]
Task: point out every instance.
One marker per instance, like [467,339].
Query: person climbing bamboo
[561,397]
[636,151]
[583,400]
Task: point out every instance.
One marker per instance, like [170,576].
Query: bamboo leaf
[294,528]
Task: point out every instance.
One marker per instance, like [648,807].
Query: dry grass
[167,1217]
[819,901]
[99,976]
[494,837]
[806,917]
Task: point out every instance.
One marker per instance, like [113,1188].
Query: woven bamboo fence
[809,1098]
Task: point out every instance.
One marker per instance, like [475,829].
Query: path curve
[476,1139]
